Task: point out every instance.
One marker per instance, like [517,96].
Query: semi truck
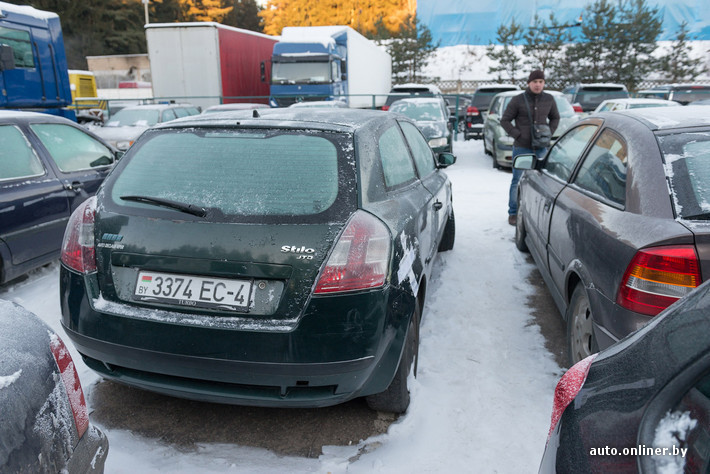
[33,63]
[329,63]
[208,63]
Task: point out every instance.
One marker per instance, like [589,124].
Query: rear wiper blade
[698,217]
[187,208]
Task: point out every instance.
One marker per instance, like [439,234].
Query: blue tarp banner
[476,21]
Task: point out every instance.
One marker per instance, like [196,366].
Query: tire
[581,342]
[520,232]
[396,398]
[494,154]
[447,239]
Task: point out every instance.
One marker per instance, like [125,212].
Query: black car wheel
[580,332]
[520,231]
[447,240]
[396,398]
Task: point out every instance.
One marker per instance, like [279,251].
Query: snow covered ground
[481,401]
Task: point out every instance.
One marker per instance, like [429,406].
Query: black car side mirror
[524,162]
[445,159]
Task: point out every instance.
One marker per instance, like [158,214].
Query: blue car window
[396,164]
[70,148]
[17,158]
[565,153]
[423,156]
[603,171]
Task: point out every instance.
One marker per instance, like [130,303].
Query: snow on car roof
[670,117]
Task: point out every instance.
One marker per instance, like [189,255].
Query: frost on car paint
[7,380]
[672,432]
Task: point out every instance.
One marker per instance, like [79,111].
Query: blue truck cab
[33,63]
[306,70]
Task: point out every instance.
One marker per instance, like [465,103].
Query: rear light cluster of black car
[78,250]
[567,389]
[472,111]
[657,277]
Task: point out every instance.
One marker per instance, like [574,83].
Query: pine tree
[678,65]
[410,50]
[545,43]
[508,59]
[587,59]
[244,14]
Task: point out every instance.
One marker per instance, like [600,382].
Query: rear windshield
[687,160]
[590,97]
[242,173]
[482,98]
[690,94]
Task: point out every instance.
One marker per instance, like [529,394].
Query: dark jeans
[513,194]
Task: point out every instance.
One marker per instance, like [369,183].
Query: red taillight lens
[568,387]
[471,110]
[657,277]
[360,258]
[577,108]
[70,378]
[385,108]
[78,251]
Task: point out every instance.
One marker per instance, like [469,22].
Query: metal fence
[470,86]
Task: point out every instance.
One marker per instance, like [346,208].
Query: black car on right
[617,219]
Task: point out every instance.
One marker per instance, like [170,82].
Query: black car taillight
[70,379]
[360,258]
[567,389]
[471,110]
[78,251]
[657,277]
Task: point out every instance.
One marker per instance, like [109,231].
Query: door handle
[74,186]
[438,205]
[546,207]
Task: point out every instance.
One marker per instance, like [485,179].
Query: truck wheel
[447,239]
[396,398]
[581,342]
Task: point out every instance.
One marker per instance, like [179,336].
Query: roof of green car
[336,119]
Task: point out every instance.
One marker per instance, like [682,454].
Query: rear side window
[687,160]
[396,164]
[240,172]
[565,153]
[168,115]
[17,158]
[423,156]
[604,169]
[70,148]
[21,46]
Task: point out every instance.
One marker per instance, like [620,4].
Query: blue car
[48,166]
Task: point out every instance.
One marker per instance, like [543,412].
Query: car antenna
[255,114]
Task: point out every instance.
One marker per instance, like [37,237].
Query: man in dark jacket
[539,105]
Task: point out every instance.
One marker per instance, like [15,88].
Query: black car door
[33,204]
[80,160]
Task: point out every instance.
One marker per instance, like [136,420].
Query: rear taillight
[471,110]
[657,277]
[70,378]
[567,389]
[385,108]
[78,251]
[577,108]
[360,258]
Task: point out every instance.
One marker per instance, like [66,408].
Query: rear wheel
[447,239]
[396,398]
[580,331]
[494,153]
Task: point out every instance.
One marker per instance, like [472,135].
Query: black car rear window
[482,99]
[687,161]
[241,172]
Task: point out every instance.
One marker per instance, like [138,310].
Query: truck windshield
[301,72]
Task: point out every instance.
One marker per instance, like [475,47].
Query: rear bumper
[90,453]
[473,130]
[326,357]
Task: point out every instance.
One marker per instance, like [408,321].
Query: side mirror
[445,159]
[7,57]
[524,162]
[119,154]
[344,77]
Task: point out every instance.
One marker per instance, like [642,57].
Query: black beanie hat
[536,74]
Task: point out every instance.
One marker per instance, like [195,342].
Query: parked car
[48,166]
[589,96]
[287,267]
[403,91]
[641,405]
[458,104]
[616,219]
[684,94]
[632,103]
[123,128]
[477,111]
[431,116]
[45,423]
[234,106]
[497,142]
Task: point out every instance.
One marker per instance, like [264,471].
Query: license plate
[188,290]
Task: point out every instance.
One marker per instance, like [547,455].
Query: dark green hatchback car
[274,259]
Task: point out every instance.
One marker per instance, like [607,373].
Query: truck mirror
[7,57]
[344,77]
[263,72]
